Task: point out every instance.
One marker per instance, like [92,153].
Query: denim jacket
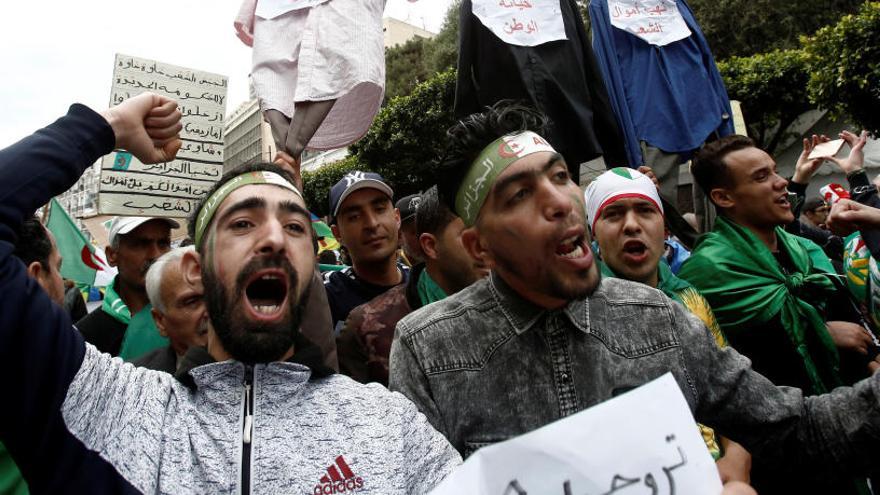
[485,365]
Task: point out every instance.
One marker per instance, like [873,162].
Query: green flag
[82,262]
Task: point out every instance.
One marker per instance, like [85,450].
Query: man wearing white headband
[626,217]
[255,412]
[544,336]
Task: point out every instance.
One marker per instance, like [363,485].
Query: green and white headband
[209,207]
[493,160]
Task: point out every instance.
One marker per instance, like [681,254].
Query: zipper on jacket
[247,432]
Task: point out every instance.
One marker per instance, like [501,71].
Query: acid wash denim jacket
[485,365]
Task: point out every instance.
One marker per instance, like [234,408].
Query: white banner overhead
[172,189]
[521,22]
[644,441]
[658,22]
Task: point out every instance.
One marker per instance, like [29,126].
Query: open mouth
[635,247]
[266,293]
[572,247]
[783,201]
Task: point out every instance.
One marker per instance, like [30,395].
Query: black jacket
[102,331]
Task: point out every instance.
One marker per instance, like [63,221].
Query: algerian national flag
[326,240]
[82,262]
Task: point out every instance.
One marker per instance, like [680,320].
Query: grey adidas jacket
[285,432]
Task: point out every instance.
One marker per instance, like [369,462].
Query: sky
[58,52]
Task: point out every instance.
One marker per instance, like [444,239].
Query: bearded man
[256,412]
[545,336]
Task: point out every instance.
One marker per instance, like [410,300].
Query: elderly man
[178,310]
[135,243]
[254,412]
[546,325]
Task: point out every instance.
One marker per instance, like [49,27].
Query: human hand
[848,216]
[874,365]
[806,168]
[291,165]
[850,336]
[856,159]
[648,171]
[148,126]
[736,465]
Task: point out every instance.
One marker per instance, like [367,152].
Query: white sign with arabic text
[172,189]
[659,22]
[522,22]
[644,441]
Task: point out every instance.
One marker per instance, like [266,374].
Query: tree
[772,90]
[844,66]
[405,140]
[441,53]
[746,27]
[317,184]
[405,67]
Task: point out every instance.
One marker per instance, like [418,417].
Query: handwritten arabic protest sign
[658,22]
[521,22]
[645,441]
[172,189]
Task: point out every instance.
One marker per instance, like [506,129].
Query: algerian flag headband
[209,207]
[615,184]
[489,164]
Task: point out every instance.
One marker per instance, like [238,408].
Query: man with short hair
[815,212]
[409,238]
[255,412]
[35,247]
[178,309]
[135,243]
[366,223]
[365,341]
[545,336]
[775,295]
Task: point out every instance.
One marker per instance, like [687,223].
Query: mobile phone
[829,148]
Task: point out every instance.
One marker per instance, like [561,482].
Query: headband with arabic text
[209,208]
[494,158]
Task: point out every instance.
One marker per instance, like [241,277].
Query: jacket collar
[523,315]
[305,353]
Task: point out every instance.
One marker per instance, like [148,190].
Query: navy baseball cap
[353,181]
[408,205]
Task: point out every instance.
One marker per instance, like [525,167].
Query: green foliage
[317,184]
[407,136]
[441,53]
[772,89]
[418,59]
[746,27]
[844,65]
[404,67]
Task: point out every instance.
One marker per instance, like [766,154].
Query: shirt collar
[523,315]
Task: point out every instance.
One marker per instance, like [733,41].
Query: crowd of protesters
[502,299]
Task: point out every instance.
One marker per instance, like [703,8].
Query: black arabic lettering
[651,483]
[667,470]
[514,488]
[620,482]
